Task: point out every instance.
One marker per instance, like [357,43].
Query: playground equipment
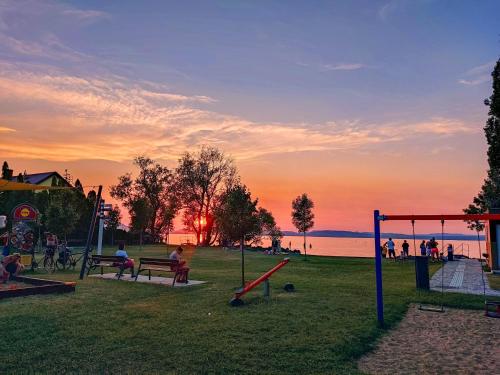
[377,218]
[237,301]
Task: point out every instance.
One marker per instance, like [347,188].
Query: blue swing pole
[378,268]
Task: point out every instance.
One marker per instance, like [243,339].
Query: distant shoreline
[352,234]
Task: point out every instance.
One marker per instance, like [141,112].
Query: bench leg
[102,270]
[149,274]
[137,274]
[175,278]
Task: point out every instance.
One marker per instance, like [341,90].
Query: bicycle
[66,258]
[48,261]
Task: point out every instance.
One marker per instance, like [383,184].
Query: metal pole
[266,288]
[378,268]
[90,234]
[101,230]
[242,248]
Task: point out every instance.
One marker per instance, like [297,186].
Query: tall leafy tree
[202,178]
[154,185]
[62,213]
[113,221]
[140,216]
[6,172]
[489,196]
[237,216]
[302,216]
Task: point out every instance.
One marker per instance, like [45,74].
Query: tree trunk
[140,239]
[305,247]
[112,237]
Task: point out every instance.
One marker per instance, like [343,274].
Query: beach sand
[453,342]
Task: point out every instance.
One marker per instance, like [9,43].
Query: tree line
[204,189]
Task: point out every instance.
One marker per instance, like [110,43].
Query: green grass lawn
[494,281]
[109,326]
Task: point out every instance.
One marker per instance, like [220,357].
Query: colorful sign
[24,212]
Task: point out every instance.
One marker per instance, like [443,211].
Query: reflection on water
[355,247]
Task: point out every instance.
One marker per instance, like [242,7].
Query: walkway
[462,276]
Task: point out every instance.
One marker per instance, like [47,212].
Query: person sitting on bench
[129,263]
[182,269]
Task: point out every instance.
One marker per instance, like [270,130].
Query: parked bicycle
[47,262]
[66,259]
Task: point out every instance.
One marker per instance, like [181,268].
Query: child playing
[4,275]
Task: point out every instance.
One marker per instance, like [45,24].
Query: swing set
[377,218]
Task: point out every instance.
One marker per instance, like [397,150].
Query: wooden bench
[107,261]
[158,264]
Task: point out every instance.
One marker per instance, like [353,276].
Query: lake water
[351,247]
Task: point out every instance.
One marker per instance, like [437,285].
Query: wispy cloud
[474,82]
[478,74]
[67,117]
[355,66]
[4,129]
[86,15]
[333,67]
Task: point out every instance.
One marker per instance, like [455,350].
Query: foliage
[152,188]
[302,215]
[140,215]
[202,179]
[62,213]
[237,217]
[489,196]
[113,221]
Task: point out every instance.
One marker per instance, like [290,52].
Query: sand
[453,342]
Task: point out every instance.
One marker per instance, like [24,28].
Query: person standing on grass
[423,249]
[182,268]
[406,249]
[383,250]
[129,263]
[391,247]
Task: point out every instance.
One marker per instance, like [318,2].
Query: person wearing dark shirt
[406,249]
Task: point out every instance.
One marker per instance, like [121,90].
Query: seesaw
[237,301]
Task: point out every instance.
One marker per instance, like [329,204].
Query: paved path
[144,279]
[462,276]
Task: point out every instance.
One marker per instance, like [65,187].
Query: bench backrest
[158,262]
[107,258]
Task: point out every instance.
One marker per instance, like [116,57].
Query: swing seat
[489,313]
[431,308]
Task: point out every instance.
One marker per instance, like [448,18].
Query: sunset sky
[361,104]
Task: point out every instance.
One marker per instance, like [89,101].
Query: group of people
[427,248]
[182,268]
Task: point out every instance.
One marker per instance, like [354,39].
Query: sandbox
[21,286]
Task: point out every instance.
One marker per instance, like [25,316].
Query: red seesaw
[236,300]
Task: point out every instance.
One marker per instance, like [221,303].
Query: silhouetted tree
[489,196]
[302,216]
[140,216]
[113,221]
[154,185]
[202,178]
